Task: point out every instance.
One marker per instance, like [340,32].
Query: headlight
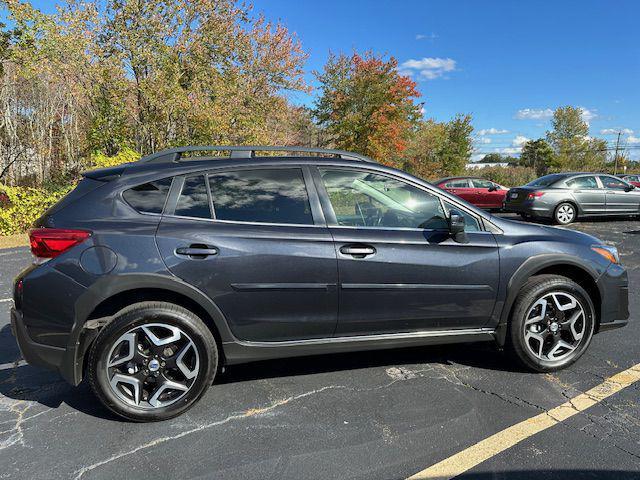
[610,253]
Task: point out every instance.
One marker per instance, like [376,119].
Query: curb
[13,241]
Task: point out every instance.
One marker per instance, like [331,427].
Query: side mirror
[456,226]
[628,188]
[493,188]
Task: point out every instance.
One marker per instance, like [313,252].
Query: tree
[366,106]
[537,154]
[492,158]
[569,138]
[111,75]
[440,149]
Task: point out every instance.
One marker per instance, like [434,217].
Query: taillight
[533,195]
[51,242]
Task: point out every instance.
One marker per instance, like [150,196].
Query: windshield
[545,181]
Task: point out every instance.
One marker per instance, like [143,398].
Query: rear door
[462,188]
[254,241]
[620,198]
[399,269]
[589,194]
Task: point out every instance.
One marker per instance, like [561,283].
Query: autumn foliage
[366,106]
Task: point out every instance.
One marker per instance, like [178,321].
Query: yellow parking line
[507,438]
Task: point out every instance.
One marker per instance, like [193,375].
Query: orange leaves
[367,106]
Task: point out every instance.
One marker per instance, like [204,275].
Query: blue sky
[508,63]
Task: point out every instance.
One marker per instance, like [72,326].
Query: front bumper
[35,353]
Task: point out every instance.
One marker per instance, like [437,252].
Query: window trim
[332,221]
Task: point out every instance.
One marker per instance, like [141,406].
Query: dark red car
[632,179]
[477,191]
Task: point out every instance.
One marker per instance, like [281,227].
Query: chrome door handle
[357,251]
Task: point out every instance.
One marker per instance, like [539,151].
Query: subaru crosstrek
[151,276]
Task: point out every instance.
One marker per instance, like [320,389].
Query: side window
[583,182]
[149,197]
[363,199]
[471,223]
[478,183]
[277,195]
[461,183]
[193,200]
[613,183]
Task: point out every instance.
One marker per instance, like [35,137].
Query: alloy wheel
[554,326]
[152,365]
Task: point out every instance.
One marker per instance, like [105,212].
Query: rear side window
[148,197]
[261,195]
[583,182]
[194,200]
[457,184]
[479,183]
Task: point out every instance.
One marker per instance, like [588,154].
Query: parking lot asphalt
[371,415]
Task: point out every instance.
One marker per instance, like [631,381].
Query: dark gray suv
[151,276]
[563,197]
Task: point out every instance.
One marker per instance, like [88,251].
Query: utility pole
[615,167]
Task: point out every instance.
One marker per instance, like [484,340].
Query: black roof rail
[248,151]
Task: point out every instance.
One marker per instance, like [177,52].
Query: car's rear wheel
[152,362]
[565,213]
[552,324]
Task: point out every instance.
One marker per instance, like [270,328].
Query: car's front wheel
[565,213]
[152,362]
[552,324]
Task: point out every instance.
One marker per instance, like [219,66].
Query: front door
[399,270]
[621,199]
[252,243]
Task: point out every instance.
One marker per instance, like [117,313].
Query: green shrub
[23,205]
[507,176]
[126,155]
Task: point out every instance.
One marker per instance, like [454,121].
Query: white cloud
[509,150]
[519,141]
[431,36]
[534,114]
[516,146]
[492,131]
[588,115]
[484,140]
[428,68]
[546,113]
[632,140]
[614,131]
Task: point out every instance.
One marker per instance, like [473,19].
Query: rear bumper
[529,208]
[35,353]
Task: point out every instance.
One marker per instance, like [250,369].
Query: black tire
[565,213]
[533,290]
[138,315]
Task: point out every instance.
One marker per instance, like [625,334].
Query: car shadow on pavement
[480,355]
